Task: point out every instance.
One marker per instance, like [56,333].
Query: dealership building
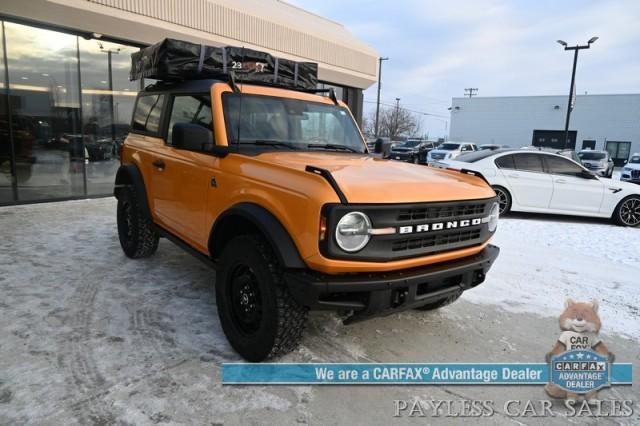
[64,77]
[610,122]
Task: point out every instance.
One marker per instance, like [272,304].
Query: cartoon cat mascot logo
[580,325]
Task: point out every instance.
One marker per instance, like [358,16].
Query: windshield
[449,146]
[288,122]
[635,159]
[592,155]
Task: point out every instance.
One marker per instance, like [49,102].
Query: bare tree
[395,123]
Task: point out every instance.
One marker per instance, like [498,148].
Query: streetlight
[378,101]
[395,129]
[575,48]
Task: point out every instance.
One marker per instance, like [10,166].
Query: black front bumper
[376,294]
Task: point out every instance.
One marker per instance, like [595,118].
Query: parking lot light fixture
[575,49]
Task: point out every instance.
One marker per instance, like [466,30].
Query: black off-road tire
[440,303]
[279,326]
[138,237]
[627,212]
[504,199]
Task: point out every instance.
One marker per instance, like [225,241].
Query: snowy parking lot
[89,336]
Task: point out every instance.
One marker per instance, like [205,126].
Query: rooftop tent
[175,60]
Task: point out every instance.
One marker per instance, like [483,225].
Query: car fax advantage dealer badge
[580,371]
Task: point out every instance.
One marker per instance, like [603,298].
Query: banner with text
[429,373]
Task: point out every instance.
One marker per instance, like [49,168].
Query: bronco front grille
[421,229]
[435,240]
[442,212]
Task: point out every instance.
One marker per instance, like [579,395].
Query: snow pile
[544,260]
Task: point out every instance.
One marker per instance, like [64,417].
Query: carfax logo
[580,372]
[579,361]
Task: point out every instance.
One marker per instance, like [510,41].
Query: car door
[531,187]
[573,190]
[180,178]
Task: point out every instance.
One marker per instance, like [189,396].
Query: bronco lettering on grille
[439,226]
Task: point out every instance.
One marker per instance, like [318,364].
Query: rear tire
[504,199]
[440,303]
[258,314]
[627,212]
[138,238]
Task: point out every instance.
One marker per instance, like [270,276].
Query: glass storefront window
[70,103]
[45,112]
[6,173]
[108,98]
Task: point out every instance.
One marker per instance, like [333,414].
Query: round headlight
[493,217]
[352,232]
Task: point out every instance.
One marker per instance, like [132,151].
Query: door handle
[513,175]
[560,181]
[159,164]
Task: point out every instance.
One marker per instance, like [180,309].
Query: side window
[528,162]
[505,162]
[146,117]
[194,109]
[561,166]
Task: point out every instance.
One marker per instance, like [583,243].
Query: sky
[503,48]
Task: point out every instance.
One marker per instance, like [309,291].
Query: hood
[367,179]
[595,162]
[442,151]
[633,166]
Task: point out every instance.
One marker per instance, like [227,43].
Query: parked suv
[599,162]
[275,189]
[450,150]
[631,170]
[411,151]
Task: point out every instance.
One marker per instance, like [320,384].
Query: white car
[631,170]
[544,182]
[450,150]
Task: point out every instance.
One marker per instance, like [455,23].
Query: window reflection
[6,178]
[107,103]
[45,111]
[70,102]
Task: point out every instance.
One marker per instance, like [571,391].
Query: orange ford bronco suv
[275,189]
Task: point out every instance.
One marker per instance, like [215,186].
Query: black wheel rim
[630,212]
[503,201]
[246,300]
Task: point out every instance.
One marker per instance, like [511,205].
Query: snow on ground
[546,259]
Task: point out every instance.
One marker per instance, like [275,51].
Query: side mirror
[626,161]
[192,137]
[382,147]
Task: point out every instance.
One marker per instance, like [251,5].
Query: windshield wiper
[270,142]
[333,146]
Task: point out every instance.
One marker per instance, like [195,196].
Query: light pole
[575,49]
[378,101]
[395,128]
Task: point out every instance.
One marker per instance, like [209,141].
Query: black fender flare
[268,225]
[129,174]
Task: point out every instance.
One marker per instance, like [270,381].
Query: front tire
[627,212]
[138,238]
[258,314]
[504,199]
